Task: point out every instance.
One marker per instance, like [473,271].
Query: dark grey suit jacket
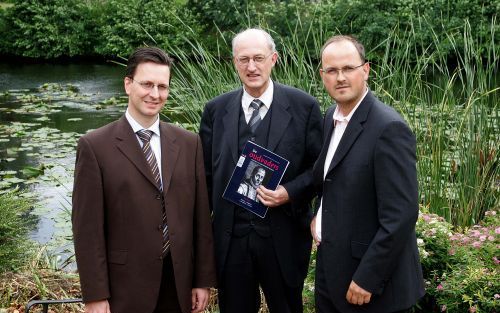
[370,206]
[295,134]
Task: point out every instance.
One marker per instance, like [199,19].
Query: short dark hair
[147,54]
[359,46]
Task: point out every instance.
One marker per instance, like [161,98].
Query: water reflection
[39,127]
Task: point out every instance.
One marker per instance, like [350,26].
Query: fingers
[199,299]
[272,198]
[357,295]
[313,232]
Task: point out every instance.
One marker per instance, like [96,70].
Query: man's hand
[317,241]
[97,307]
[272,198]
[199,299]
[357,295]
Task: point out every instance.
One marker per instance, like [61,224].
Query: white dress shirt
[341,121]
[266,98]
[155,139]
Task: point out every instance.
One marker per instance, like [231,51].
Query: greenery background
[435,61]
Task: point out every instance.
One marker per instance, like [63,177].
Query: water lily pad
[4,139]
[74,119]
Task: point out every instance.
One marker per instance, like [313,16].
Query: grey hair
[269,39]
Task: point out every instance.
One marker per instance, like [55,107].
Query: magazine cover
[256,166]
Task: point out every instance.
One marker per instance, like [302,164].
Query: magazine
[256,166]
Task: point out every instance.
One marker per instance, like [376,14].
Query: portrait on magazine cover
[255,176]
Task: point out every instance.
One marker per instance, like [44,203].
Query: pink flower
[497,230]
[439,287]
[443,308]
[476,244]
[475,233]
[426,217]
[491,238]
[472,309]
[482,238]
[496,296]
[496,260]
[451,251]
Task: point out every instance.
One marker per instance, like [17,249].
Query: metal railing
[45,303]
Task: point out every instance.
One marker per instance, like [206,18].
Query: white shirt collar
[155,128]
[338,116]
[266,97]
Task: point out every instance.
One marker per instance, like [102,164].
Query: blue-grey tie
[255,119]
[145,136]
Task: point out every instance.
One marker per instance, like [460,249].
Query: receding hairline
[270,41]
[345,38]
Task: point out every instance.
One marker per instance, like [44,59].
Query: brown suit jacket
[117,217]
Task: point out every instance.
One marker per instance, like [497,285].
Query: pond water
[44,109]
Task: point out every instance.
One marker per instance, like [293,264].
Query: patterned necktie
[145,136]
[255,119]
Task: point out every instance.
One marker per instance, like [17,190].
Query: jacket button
[158,197]
[328,180]
[159,227]
[160,257]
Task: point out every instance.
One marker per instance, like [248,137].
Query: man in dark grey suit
[367,258]
[272,252]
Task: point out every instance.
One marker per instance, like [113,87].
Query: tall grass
[451,105]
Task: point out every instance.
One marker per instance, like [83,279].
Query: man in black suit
[272,252]
[367,258]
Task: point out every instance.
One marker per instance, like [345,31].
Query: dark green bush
[49,29]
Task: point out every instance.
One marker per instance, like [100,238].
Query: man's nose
[154,92]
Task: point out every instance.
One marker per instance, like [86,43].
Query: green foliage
[14,227]
[460,268]
[48,29]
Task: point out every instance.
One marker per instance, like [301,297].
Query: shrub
[460,267]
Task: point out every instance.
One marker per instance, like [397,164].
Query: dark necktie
[255,119]
[145,136]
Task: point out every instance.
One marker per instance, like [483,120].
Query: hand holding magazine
[256,166]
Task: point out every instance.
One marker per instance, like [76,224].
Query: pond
[44,109]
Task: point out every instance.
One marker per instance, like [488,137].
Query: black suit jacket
[295,134]
[370,206]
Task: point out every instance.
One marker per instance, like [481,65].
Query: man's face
[254,75]
[258,177]
[346,88]
[144,102]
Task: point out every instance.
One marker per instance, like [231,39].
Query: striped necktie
[255,119]
[145,136]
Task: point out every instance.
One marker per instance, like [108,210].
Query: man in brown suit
[142,231]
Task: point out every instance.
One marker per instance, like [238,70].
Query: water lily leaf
[74,119]
[4,139]
[30,171]
[10,159]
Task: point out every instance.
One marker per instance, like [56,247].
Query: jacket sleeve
[302,187]
[204,269]
[397,204]
[88,225]
[206,131]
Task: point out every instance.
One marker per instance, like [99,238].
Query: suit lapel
[169,154]
[280,118]
[127,142]
[353,130]
[327,135]
[230,121]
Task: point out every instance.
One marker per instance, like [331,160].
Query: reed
[451,105]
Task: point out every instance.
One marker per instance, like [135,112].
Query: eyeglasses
[162,88]
[346,70]
[257,59]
